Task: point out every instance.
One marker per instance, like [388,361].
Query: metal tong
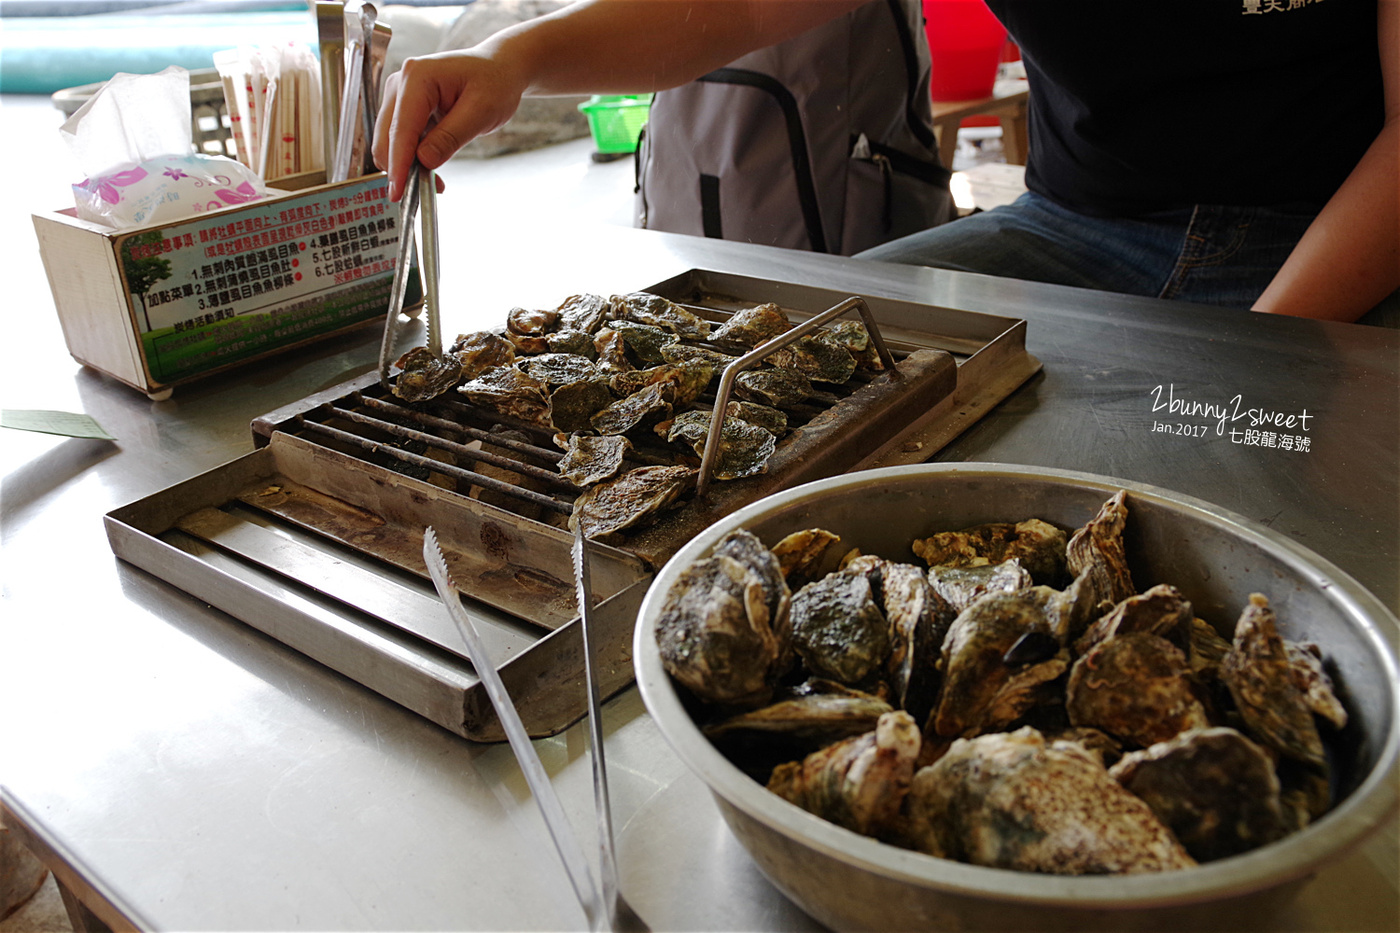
[420,195]
[606,909]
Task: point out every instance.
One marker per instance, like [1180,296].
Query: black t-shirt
[1146,105]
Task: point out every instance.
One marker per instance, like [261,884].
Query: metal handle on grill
[761,352]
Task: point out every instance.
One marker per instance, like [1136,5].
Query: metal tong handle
[560,831]
[421,191]
[763,350]
[601,800]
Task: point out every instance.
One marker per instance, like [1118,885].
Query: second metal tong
[419,197]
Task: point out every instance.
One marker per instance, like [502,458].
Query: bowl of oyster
[982,696]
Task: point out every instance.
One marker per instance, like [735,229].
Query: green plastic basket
[616,121]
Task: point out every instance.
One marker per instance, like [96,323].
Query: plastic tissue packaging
[132,140]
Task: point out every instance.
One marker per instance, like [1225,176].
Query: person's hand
[435,105]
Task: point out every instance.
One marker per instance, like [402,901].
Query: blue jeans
[1209,255]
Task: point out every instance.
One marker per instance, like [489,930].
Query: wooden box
[158,306]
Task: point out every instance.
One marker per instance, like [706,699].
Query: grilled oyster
[557,369]
[716,632]
[765,416]
[641,408]
[748,327]
[655,311]
[424,375]
[531,323]
[780,388]
[642,342]
[1137,687]
[1038,545]
[1213,788]
[688,380]
[818,356]
[825,712]
[744,449]
[856,339]
[1161,610]
[1305,660]
[611,350]
[1208,649]
[802,555]
[1012,800]
[576,342]
[480,351]
[682,352]
[584,313]
[858,783]
[509,391]
[589,460]
[573,405]
[837,628]
[631,499]
[961,586]
[1261,680]
[1098,549]
[982,691]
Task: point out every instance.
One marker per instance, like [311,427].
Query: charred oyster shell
[589,459]
[511,392]
[480,351]
[653,310]
[748,327]
[780,388]
[631,499]
[424,375]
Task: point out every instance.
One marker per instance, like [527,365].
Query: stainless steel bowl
[848,881]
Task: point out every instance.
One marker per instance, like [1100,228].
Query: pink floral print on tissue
[106,186]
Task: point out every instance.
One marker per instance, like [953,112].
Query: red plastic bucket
[966,42]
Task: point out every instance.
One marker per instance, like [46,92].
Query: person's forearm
[637,46]
[1349,259]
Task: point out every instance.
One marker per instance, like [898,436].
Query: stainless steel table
[180,771]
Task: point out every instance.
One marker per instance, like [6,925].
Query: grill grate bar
[457,450]
[542,455]
[563,507]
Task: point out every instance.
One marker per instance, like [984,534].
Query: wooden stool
[1008,103]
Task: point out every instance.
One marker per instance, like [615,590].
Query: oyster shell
[653,310]
[573,405]
[688,380]
[577,342]
[748,327]
[824,715]
[856,339]
[918,622]
[682,352]
[802,555]
[642,342]
[744,448]
[1136,686]
[509,391]
[780,388]
[1161,610]
[858,783]
[765,416]
[1038,545]
[480,351]
[981,690]
[1012,800]
[1098,549]
[583,313]
[531,323]
[1305,660]
[611,352]
[961,586]
[641,408]
[714,635]
[631,499]
[818,356]
[424,375]
[589,460]
[1213,788]
[1261,680]
[837,628]
[557,369]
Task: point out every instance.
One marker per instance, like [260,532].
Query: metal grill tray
[321,549]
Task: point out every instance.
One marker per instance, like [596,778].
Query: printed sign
[224,287]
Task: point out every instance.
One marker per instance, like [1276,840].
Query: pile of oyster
[610,375]
[1017,703]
